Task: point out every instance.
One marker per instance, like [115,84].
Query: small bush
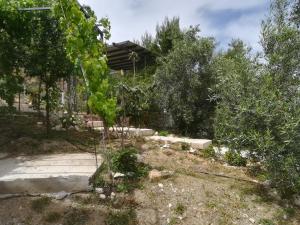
[40,204]
[7,110]
[125,161]
[127,217]
[68,121]
[235,159]
[163,133]
[209,152]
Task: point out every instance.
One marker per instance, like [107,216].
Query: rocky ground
[183,188]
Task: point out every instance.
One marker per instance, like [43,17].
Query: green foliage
[266,222]
[209,152]
[182,83]
[68,121]
[125,160]
[235,159]
[126,217]
[163,133]
[85,50]
[9,86]
[258,106]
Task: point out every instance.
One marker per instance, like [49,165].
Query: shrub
[209,152]
[68,121]
[124,161]
[235,159]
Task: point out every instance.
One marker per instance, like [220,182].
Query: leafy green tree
[46,58]
[182,82]
[86,50]
[258,105]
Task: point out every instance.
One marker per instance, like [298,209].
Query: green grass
[266,222]
[163,133]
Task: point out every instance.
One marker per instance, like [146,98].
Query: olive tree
[182,84]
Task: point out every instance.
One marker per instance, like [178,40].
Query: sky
[223,19]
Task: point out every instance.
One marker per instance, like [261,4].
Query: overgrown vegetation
[258,105]
[235,159]
[40,204]
[126,217]
[245,101]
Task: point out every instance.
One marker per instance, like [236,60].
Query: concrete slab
[136,132]
[47,173]
[194,143]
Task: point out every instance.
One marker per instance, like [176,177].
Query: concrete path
[47,173]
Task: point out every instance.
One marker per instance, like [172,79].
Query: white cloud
[131,18]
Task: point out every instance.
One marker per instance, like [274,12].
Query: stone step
[47,173]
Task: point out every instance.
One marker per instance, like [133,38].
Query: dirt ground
[201,191]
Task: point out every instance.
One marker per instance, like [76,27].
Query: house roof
[118,55]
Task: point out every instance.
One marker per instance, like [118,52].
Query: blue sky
[223,19]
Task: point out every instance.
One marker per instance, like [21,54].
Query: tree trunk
[47,109]
[39,97]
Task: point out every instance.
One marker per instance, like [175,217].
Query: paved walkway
[46,173]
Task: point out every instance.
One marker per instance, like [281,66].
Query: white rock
[119,175]
[112,195]
[99,190]
[160,185]
[252,220]
[170,205]
[59,195]
[102,196]
[192,151]
[297,201]
[166,146]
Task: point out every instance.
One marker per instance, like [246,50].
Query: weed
[209,152]
[127,217]
[163,133]
[265,222]
[211,205]
[173,221]
[180,208]
[40,204]
[76,217]
[52,217]
[235,159]
[185,147]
